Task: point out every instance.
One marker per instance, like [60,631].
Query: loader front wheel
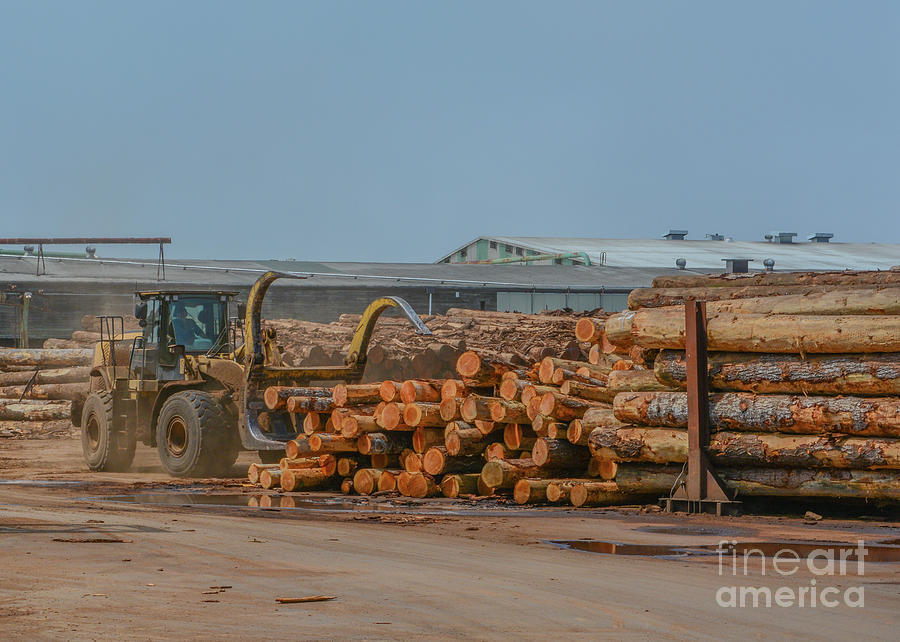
[193,436]
[107,447]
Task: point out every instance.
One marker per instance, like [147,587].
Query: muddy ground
[77,566]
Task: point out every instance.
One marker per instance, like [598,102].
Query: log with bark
[741,411]
[827,374]
[845,278]
[426,391]
[564,408]
[275,397]
[50,391]
[507,412]
[379,443]
[436,461]
[661,445]
[45,358]
[322,443]
[34,410]
[309,404]
[559,454]
[456,485]
[791,299]
[420,413]
[293,479]
[420,485]
[74,374]
[504,473]
[531,491]
[355,394]
[425,438]
[477,370]
[663,328]
[365,480]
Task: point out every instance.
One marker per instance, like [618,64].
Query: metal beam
[126,240]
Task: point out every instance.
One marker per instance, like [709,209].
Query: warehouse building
[777,250]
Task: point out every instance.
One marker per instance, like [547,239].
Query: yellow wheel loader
[191,383]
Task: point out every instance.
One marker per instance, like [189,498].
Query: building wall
[535,302]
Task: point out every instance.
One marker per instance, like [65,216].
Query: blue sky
[395,131]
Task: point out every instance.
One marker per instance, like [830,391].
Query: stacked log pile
[397,353]
[804,403]
[803,380]
[89,334]
[38,388]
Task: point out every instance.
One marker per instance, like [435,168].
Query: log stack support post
[699,490]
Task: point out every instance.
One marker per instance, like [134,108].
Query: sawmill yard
[501,476]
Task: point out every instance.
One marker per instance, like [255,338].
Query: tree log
[293,479]
[549,365]
[663,328]
[295,464]
[558,489]
[365,481]
[296,448]
[270,477]
[609,493]
[412,463]
[476,407]
[572,388]
[478,370]
[390,391]
[559,454]
[511,389]
[466,441]
[420,413]
[309,404]
[456,485]
[830,374]
[412,391]
[449,408]
[487,427]
[453,389]
[275,397]
[425,438]
[660,445]
[635,380]
[356,425]
[507,412]
[588,330]
[664,297]
[392,416]
[34,410]
[347,466]
[384,460]
[504,473]
[497,450]
[531,391]
[254,471]
[436,461]
[844,278]
[325,443]
[387,481]
[355,394]
[421,485]
[741,411]
[564,408]
[378,443]
[46,358]
[543,425]
[50,391]
[531,491]
[518,436]
[74,374]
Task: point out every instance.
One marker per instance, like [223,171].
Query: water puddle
[694,531]
[33,482]
[313,504]
[848,551]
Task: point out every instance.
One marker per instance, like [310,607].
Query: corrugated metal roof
[708,255]
[225,274]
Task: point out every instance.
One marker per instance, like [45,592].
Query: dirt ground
[76,566]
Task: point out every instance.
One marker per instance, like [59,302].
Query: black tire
[106,447]
[194,437]
[271,456]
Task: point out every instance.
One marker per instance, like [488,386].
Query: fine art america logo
[828,561]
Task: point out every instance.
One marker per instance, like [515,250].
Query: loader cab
[175,324]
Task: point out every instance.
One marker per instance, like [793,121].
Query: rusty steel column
[698,396]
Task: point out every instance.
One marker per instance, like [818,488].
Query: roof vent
[784,238]
[681,263]
[91,252]
[715,237]
[675,235]
[821,237]
[29,250]
[770,264]
[737,266]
